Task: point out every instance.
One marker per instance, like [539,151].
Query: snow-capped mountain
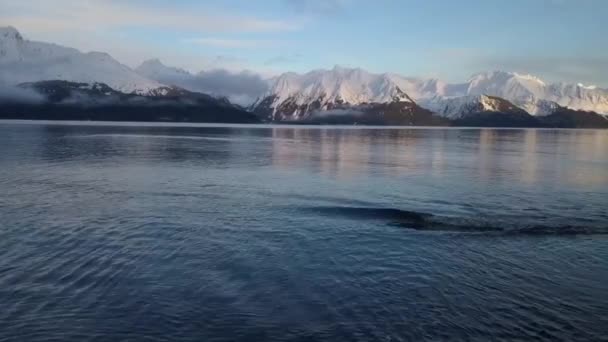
[294,96]
[538,107]
[459,107]
[531,93]
[525,91]
[24,61]
[298,96]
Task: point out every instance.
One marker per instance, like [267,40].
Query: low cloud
[244,83]
[242,88]
[15,94]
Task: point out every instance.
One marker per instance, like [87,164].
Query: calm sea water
[245,233]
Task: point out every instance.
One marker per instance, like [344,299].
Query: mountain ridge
[65,100]
[22,61]
[315,95]
[460,107]
[526,91]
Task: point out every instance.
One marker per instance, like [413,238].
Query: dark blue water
[115,233]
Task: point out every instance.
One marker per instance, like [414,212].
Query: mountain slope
[525,91]
[379,114]
[294,97]
[64,100]
[529,92]
[482,110]
[564,117]
[459,107]
[22,61]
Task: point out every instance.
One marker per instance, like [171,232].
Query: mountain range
[358,86]
[23,61]
[338,95]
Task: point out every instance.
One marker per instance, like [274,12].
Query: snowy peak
[530,92]
[342,91]
[503,76]
[339,85]
[505,84]
[10,33]
[298,96]
[539,107]
[23,61]
[10,41]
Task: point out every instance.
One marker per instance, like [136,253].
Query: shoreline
[266,125]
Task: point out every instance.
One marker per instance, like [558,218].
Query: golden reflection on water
[348,153]
[485,154]
[529,165]
[575,157]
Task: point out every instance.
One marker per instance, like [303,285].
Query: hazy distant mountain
[22,61]
[528,92]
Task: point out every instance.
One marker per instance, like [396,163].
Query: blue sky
[450,39]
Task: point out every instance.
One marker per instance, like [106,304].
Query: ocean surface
[118,232]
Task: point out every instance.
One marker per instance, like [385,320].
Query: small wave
[431,222]
[415,219]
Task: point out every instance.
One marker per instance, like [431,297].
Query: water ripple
[187,234]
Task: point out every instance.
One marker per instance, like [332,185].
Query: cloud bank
[241,88]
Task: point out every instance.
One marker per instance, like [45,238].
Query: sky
[558,40]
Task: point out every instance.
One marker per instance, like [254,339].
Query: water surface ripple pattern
[231,233]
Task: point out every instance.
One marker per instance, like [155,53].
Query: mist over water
[254,233]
